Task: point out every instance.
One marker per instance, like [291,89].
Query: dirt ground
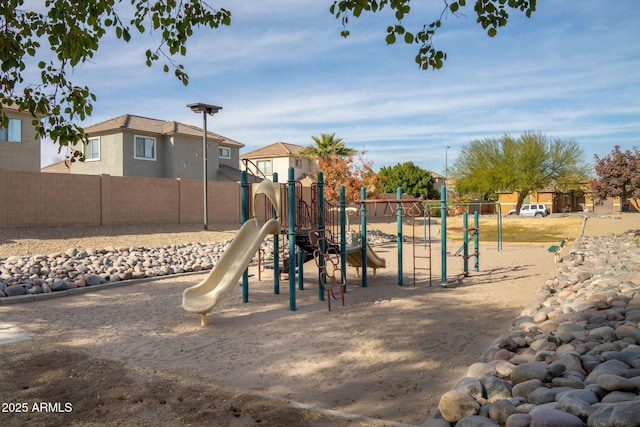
[130,356]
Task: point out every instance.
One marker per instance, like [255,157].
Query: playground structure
[354,252]
[317,230]
[204,296]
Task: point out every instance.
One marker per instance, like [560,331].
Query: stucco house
[558,202]
[438,181]
[130,145]
[19,143]
[277,157]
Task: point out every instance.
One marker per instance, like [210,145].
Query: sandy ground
[131,356]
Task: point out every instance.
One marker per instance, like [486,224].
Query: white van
[532,209]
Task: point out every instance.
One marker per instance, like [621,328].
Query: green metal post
[363,238]
[321,277]
[343,234]
[276,248]
[465,243]
[443,234]
[244,216]
[476,241]
[291,233]
[499,226]
[399,210]
[300,264]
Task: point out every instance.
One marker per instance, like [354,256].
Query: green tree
[327,145]
[412,179]
[62,34]
[618,175]
[491,15]
[526,164]
[351,172]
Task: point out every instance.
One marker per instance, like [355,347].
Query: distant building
[130,145]
[19,143]
[438,181]
[277,157]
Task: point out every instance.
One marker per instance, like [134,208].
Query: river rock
[623,414]
[575,353]
[15,290]
[549,417]
[454,405]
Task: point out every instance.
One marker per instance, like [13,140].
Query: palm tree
[327,146]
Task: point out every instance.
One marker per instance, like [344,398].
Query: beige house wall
[110,161]
[280,165]
[176,156]
[34,199]
[23,155]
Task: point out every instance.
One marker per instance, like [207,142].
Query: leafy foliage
[353,173]
[526,164]
[618,175]
[491,15]
[72,30]
[412,179]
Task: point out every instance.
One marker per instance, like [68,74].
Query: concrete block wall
[224,202]
[136,200]
[34,199]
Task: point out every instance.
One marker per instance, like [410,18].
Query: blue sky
[282,72]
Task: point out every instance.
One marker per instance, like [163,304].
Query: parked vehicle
[532,209]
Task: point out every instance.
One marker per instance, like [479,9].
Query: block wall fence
[35,199]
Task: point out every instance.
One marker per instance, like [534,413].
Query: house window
[298,163]
[145,148]
[13,133]
[92,149]
[265,167]
[224,153]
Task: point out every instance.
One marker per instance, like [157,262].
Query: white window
[13,133]
[224,153]
[145,148]
[92,149]
[298,163]
[265,166]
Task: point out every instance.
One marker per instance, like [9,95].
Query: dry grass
[30,241]
[532,230]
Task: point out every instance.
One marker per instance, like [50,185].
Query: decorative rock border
[572,357]
[58,274]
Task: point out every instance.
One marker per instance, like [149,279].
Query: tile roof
[15,109]
[234,174]
[161,127]
[57,167]
[277,149]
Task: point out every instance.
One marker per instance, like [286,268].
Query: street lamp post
[205,109]
[446,164]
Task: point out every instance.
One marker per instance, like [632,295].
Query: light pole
[446,164]
[205,109]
